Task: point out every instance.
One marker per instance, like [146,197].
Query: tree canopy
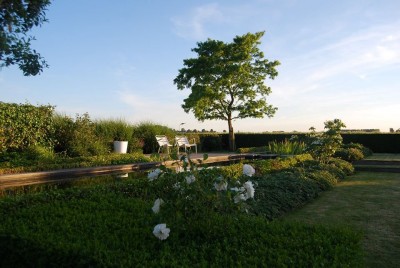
[17,17]
[227,81]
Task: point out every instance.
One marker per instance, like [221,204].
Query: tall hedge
[24,125]
[377,142]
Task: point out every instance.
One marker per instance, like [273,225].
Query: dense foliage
[227,81]
[110,225]
[25,125]
[17,18]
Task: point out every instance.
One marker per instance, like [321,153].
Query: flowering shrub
[187,196]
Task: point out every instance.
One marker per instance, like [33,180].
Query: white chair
[182,141]
[163,142]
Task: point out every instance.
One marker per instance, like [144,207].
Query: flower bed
[209,217]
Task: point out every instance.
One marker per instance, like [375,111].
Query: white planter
[120,147]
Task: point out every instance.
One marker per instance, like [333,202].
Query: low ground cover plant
[206,217]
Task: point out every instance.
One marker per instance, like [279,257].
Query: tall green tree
[17,17]
[227,81]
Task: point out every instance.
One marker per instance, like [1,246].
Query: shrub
[39,153]
[313,165]
[325,179]
[345,166]
[322,146]
[146,132]
[281,192]
[24,125]
[365,151]
[78,137]
[233,171]
[63,132]
[349,154]
[274,165]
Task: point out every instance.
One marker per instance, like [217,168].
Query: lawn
[384,157]
[367,201]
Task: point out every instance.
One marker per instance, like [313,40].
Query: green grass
[368,202]
[384,157]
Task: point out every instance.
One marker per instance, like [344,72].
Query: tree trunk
[232,144]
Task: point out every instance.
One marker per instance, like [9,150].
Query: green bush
[345,166]
[24,125]
[146,132]
[84,141]
[325,179]
[233,171]
[274,165]
[279,193]
[349,154]
[39,153]
[365,151]
[335,170]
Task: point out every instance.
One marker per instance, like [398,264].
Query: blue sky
[117,59]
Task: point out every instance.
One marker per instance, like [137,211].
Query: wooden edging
[29,178]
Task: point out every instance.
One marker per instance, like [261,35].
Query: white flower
[157,204]
[177,186]
[248,170]
[221,186]
[239,197]
[248,185]
[154,174]
[190,179]
[161,231]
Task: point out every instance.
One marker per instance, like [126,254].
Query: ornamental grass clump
[286,147]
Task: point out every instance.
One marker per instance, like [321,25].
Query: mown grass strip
[366,201]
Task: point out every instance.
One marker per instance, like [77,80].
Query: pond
[67,182]
[85,181]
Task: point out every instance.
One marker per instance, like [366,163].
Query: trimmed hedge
[377,142]
[25,125]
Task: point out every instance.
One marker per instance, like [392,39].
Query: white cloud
[193,24]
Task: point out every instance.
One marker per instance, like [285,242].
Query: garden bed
[110,225]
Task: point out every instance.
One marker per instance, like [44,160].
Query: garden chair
[182,141]
[163,142]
